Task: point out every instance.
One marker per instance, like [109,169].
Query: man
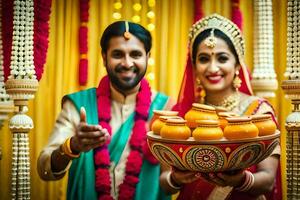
[100,134]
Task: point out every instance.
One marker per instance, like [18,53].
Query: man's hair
[117,29]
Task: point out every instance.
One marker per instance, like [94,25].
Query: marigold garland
[83,46]
[7,25]
[198,12]
[42,10]
[236,14]
[137,142]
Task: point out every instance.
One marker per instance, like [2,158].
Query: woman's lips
[214,78]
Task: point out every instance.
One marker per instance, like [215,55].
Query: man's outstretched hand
[87,136]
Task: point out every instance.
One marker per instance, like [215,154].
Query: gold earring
[237,81]
[198,82]
[200,92]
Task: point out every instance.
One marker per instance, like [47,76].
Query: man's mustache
[121,68]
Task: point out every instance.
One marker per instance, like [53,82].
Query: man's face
[125,62]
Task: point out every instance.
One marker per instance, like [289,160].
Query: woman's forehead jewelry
[127,34]
[223,24]
[211,41]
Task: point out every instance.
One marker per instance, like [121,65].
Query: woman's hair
[117,29]
[217,33]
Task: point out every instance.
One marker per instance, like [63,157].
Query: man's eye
[136,54]
[116,55]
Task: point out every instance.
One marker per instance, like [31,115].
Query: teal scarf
[81,183]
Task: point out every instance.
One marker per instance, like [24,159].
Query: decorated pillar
[21,86]
[264,80]
[291,86]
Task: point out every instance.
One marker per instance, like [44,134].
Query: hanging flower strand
[236,14]
[198,12]
[42,10]
[22,66]
[83,46]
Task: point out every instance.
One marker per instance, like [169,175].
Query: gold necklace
[228,103]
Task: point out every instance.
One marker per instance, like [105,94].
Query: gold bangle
[66,149]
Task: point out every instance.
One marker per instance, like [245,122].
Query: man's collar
[119,97]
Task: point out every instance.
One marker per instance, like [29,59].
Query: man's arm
[65,127]
[81,137]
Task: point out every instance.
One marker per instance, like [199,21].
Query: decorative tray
[213,155]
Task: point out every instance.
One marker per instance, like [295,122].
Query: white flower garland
[293,40]
[22,64]
[263,41]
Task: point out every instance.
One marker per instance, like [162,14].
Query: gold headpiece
[127,34]
[223,24]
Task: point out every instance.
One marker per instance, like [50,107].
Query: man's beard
[125,85]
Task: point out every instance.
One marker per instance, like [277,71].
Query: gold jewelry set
[65,149]
[228,103]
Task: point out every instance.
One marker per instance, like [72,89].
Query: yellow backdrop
[172,19]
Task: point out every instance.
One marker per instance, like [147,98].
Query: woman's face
[215,67]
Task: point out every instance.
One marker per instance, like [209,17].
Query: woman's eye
[223,59]
[203,59]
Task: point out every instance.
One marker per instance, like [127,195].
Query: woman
[216,66]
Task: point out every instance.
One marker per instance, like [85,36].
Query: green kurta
[81,183]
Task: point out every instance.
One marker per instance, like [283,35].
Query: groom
[100,134]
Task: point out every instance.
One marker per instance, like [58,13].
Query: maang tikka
[211,41]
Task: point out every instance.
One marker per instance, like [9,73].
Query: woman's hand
[235,179]
[183,177]
[88,137]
